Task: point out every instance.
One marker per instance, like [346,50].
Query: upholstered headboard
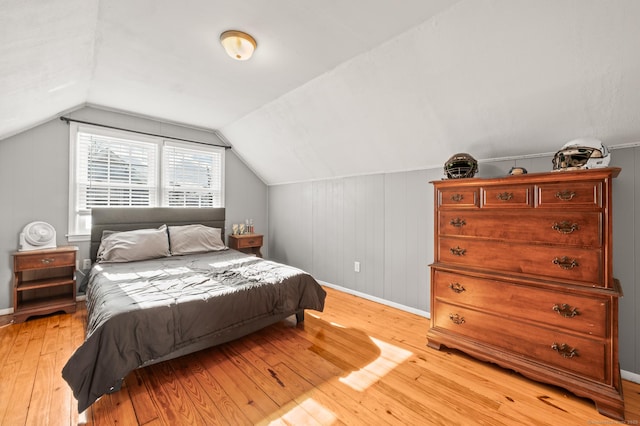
[127,219]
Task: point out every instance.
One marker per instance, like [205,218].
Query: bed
[141,311]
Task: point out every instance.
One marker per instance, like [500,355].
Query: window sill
[78,238]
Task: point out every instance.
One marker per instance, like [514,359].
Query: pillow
[188,239]
[129,246]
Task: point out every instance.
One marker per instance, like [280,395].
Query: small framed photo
[234,229]
[241,228]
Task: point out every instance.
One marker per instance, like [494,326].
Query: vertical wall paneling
[625,207]
[290,231]
[353,237]
[406,223]
[495,168]
[537,164]
[634,331]
[385,222]
[368,217]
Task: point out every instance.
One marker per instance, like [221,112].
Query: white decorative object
[37,236]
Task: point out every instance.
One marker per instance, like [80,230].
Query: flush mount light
[239,45]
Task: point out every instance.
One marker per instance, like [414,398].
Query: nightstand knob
[47,260]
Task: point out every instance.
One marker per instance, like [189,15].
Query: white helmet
[583,153]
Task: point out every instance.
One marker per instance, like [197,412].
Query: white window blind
[192,176]
[115,172]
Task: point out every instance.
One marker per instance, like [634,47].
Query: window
[111,168]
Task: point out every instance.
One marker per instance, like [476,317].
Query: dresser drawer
[582,314]
[45,260]
[458,197]
[580,265]
[580,355]
[507,197]
[570,194]
[537,226]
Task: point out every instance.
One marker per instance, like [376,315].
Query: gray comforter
[142,311]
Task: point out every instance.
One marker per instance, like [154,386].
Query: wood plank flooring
[357,363]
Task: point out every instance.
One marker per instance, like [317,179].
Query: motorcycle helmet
[461,165]
[584,153]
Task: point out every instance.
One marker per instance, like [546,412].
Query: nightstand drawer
[45,260]
[250,241]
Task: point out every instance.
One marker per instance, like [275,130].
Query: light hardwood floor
[358,362]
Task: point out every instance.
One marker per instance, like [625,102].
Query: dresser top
[544,177]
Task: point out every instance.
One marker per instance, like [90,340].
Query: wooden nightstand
[246,243]
[44,282]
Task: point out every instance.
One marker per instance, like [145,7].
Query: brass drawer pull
[565,263]
[456,319]
[456,197]
[505,196]
[457,287]
[566,310]
[565,195]
[457,222]
[457,251]
[48,260]
[565,350]
[565,227]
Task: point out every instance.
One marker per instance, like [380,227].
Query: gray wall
[385,222]
[34,182]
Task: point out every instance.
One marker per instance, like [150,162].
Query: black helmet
[461,165]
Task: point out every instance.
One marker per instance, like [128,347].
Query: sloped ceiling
[336,88]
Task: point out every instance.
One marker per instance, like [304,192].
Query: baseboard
[378,300]
[7,311]
[628,375]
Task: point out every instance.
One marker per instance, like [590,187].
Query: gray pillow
[188,239]
[129,246]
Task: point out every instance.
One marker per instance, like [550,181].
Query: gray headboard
[127,219]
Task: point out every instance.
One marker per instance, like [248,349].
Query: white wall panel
[626,209]
[290,232]
[366,213]
[407,218]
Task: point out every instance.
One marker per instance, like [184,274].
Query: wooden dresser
[522,277]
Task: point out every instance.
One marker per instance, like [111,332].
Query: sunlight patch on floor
[307,410]
[390,357]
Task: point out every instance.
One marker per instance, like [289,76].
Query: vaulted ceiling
[336,88]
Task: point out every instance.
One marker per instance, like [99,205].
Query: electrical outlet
[86,264]
[356,266]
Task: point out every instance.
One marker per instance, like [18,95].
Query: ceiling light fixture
[239,45]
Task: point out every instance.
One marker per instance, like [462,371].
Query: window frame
[75,231]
